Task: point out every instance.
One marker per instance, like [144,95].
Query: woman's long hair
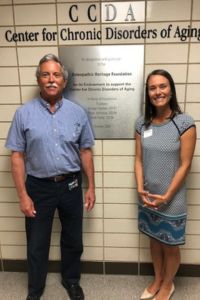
[150,111]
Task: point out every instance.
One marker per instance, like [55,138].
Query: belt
[58,178]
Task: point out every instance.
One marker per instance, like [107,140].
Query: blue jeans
[47,197]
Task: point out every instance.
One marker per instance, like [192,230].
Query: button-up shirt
[51,141]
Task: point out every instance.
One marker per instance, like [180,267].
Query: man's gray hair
[51,57]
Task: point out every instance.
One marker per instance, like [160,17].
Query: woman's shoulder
[183,121]
[139,124]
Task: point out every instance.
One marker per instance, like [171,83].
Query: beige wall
[110,230]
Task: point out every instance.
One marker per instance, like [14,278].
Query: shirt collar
[47,105]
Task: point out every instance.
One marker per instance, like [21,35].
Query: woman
[165,142]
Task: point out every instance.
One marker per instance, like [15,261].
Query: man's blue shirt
[51,141]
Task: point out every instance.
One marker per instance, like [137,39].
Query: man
[51,139]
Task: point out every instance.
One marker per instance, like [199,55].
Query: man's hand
[89,199]
[27,207]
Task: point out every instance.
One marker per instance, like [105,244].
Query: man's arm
[88,167]
[18,173]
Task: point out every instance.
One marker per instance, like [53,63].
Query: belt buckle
[56,178]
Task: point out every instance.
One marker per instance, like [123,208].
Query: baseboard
[90,267]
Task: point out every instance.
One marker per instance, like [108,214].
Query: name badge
[148,133]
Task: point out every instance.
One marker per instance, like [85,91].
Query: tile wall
[110,230]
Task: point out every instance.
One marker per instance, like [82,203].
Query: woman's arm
[188,141]
[139,169]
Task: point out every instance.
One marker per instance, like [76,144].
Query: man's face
[51,81]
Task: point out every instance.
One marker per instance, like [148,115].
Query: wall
[110,230]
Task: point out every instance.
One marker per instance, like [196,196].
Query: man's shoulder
[29,104]
[73,106]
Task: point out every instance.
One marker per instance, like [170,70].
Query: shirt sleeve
[184,122]
[138,125]
[87,136]
[16,138]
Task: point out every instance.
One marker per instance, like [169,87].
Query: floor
[96,287]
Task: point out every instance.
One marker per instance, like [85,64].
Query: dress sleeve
[138,125]
[183,123]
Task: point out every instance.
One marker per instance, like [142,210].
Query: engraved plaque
[108,82]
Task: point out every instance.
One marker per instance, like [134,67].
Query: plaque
[107,81]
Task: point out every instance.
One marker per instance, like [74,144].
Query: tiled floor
[96,287]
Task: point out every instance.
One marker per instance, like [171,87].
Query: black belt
[58,178]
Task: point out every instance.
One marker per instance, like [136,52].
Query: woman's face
[159,91]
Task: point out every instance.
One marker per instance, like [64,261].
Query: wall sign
[108,82]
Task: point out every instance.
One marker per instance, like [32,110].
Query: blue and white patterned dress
[161,159]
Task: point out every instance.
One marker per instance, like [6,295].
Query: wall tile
[193,212]
[195,164]
[118,147]
[27,75]
[97,148]
[120,211]
[3,150]
[98,163]
[96,212]
[193,196]
[93,239]
[178,72]
[194,53]
[6,1]
[32,1]
[125,180]
[121,240]
[4,163]
[121,254]
[13,238]
[6,16]
[117,195]
[8,195]
[31,56]
[168,10]
[29,92]
[196,10]
[191,242]
[10,76]
[190,256]
[6,180]
[118,163]
[9,95]
[12,224]
[193,110]
[193,73]
[8,57]
[92,253]
[10,210]
[35,14]
[4,130]
[91,225]
[10,252]
[7,112]
[193,227]
[120,226]
[167,53]
[193,94]
[197,148]
[193,181]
